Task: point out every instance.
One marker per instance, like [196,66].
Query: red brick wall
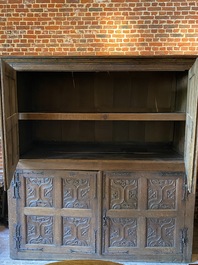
[98,27]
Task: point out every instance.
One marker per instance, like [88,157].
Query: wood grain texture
[113,63]
[104,116]
[89,164]
[190,153]
[10,131]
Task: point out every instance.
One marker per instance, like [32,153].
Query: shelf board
[176,116]
[102,156]
[102,164]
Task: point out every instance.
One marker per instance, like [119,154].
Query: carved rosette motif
[161,194]
[76,193]
[39,192]
[160,232]
[123,232]
[124,194]
[39,229]
[76,231]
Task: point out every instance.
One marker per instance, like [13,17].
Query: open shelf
[119,151]
[101,92]
[104,116]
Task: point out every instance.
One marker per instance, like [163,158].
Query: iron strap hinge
[16,183]
[18,239]
[17,236]
[184,238]
[105,218]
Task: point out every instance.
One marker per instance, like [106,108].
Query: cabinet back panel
[181,93]
[99,91]
[25,136]
[96,131]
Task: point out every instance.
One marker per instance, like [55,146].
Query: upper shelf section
[102,92]
[104,116]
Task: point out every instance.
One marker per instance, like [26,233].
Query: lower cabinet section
[143,213]
[103,215]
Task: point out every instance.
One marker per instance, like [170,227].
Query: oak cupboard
[100,156]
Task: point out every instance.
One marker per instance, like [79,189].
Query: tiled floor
[5,259]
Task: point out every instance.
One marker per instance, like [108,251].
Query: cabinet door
[190,151]
[56,214]
[9,121]
[143,215]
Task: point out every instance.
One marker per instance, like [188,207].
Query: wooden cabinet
[57,212]
[114,215]
[100,157]
[143,214]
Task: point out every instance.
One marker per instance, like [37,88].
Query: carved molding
[160,232]
[39,229]
[162,194]
[124,194]
[123,232]
[76,193]
[76,231]
[39,192]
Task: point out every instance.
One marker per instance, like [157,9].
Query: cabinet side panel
[190,149]
[10,120]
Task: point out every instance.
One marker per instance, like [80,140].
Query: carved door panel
[143,215]
[57,212]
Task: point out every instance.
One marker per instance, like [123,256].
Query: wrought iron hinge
[105,218]
[16,183]
[18,239]
[184,238]
[17,236]
[185,189]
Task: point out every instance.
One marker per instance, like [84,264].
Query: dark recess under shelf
[101,151]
